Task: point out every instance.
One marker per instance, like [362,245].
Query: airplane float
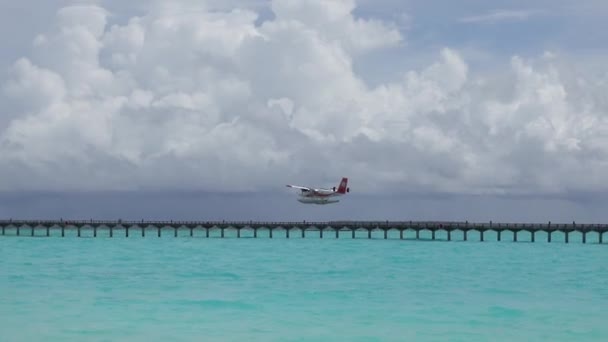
[321,196]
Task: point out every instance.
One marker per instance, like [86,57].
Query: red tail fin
[342,189]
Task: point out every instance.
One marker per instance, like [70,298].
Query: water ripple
[300,290]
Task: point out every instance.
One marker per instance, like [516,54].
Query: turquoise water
[199,289]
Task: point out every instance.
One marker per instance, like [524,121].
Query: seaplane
[321,196]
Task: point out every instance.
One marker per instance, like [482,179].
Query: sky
[472,110]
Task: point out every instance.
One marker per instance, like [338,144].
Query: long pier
[448,230]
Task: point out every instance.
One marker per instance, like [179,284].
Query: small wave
[215,304]
[501,311]
[214,275]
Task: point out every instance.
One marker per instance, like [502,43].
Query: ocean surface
[212,289]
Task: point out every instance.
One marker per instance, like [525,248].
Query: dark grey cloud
[281,206]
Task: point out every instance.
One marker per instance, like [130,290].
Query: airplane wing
[299,187]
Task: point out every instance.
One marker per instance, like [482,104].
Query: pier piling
[532,233]
[584,237]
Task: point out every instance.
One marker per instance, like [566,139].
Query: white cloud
[500,15]
[211,100]
[333,19]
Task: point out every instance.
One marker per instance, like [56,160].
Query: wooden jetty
[362,229]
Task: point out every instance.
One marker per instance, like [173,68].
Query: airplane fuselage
[321,196]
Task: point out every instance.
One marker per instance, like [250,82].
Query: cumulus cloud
[214,100]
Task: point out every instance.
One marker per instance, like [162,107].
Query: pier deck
[30,227]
